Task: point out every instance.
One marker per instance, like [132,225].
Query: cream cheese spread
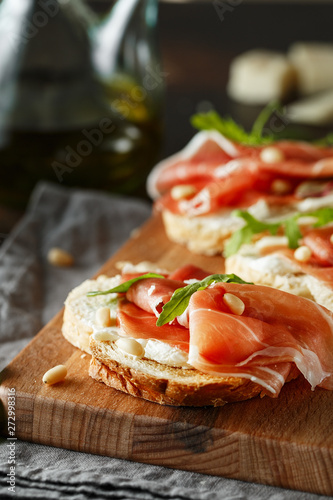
[85,309]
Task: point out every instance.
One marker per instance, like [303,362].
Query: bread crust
[76,331]
[163,384]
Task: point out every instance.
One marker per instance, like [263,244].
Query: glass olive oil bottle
[81,95]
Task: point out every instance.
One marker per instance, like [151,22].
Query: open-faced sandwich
[224,168]
[191,338]
[294,254]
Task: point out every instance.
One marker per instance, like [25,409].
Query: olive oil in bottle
[82,95]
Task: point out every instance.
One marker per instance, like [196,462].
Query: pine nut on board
[55,375]
[59,257]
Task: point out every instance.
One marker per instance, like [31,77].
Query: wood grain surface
[285,442]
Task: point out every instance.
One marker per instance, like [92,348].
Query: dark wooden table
[198,42]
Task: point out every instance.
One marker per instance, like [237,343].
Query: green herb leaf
[124,287]
[260,122]
[292,231]
[181,297]
[324,216]
[290,225]
[325,141]
[226,126]
[239,238]
[235,132]
[244,235]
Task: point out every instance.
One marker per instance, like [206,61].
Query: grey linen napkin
[91,226]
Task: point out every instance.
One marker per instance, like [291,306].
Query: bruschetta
[191,338]
[198,189]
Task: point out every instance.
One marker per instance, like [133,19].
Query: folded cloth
[91,226]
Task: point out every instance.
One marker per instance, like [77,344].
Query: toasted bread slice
[204,234]
[162,374]
[164,384]
[171,381]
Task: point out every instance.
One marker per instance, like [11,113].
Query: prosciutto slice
[276,327]
[188,272]
[276,331]
[190,164]
[222,172]
[152,293]
[319,241]
[139,324]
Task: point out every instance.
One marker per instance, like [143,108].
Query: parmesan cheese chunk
[314,65]
[259,76]
[314,110]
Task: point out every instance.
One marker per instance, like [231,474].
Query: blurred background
[94,92]
[200,40]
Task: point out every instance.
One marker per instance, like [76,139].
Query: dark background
[197,48]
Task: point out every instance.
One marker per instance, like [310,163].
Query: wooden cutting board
[284,442]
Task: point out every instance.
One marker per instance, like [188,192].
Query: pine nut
[103,317]
[307,220]
[182,191]
[308,189]
[235,304]
[59,257]
[271,155]
[104,336]
[55,375]
[331,239]
[302,253]
[271,241]
[130,346]
[280,186]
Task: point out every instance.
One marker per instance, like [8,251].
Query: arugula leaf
[290,225]
[324,216]
[244,235]
[239,238]
[257,225]
[325,141]
[292,231]
[181,297]
[124,287]
[232,130]
[226,126]
[261,120]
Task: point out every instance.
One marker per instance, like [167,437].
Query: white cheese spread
[272,264]
[85,308]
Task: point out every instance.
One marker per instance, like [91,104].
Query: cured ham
[139,324]
[191,163]
[152,293]
[320,244]
[269,332]
[188,272]
[304,150]
[222,172]
[222,192]
[262,344]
